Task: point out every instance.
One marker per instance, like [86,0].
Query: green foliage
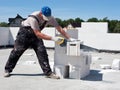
[111,25]
[4,24]
[117,28]
[78,20]
[64,23]
[104,20]
[92,20]
[70,20]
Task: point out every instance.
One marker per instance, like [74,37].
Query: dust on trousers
[25,39]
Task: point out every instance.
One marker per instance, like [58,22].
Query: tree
[117,28]
[70,21]
[93,20]
[65,23]
[105,19]
[4,24]
[78,20]
[112,25]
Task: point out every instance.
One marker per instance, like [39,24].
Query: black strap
[42,25]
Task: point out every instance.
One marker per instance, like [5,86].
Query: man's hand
[58,40]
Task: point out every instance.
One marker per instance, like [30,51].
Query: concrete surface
[28,75]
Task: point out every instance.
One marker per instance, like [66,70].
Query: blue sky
[63,9]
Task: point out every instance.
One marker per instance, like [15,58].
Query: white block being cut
[73,48]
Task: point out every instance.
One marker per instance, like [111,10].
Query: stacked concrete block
[73,48]
[116,64]
[70,61]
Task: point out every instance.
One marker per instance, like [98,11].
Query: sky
[63,9]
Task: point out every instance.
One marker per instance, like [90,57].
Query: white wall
[4,36]
[101,41]
[8,36]
[95,27]
[91,33]
[95,35]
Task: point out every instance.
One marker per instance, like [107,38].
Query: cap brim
[46,18]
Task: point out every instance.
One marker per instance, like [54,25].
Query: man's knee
[16,52]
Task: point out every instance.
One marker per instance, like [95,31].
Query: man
[30,35]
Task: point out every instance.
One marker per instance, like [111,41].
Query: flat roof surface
[28,75]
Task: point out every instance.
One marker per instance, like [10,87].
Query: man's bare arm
[59,28]
[42,35]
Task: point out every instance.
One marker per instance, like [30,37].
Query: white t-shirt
[30,21]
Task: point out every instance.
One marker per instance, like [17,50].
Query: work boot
[53,76]
[7,74]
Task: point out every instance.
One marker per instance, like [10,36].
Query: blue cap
[46,11]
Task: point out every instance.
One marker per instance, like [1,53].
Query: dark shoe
[53,76]
[6,74]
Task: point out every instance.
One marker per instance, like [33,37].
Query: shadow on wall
[11,39]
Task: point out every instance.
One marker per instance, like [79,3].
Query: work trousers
[25,39]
